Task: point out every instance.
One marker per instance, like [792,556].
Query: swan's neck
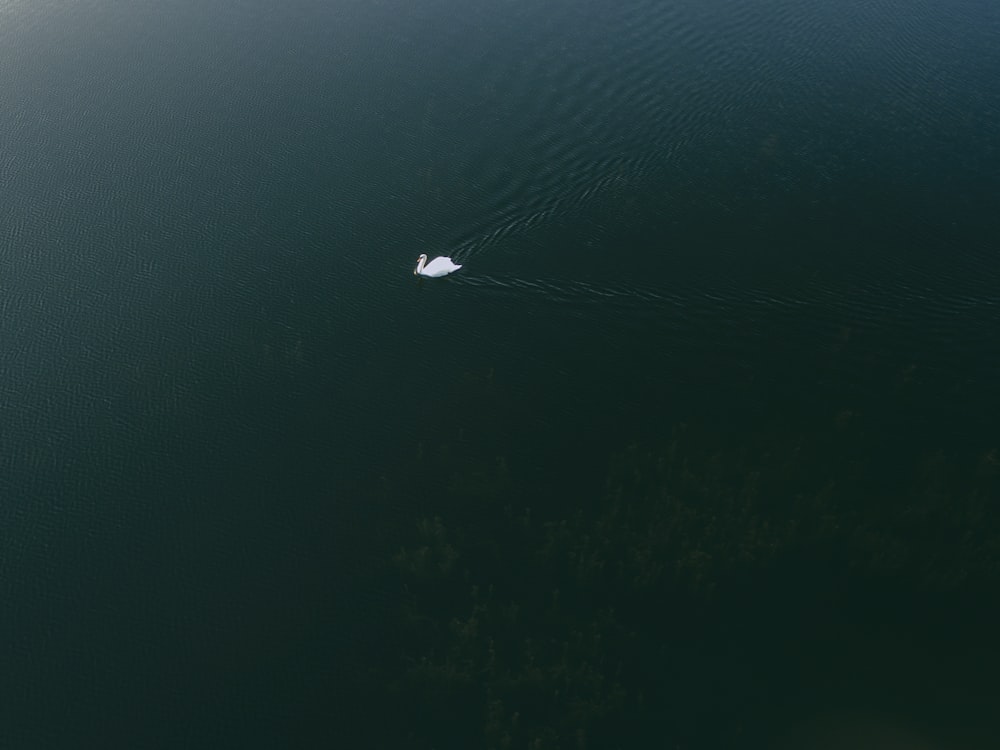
[420,265]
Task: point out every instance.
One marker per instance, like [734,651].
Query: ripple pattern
[214,358]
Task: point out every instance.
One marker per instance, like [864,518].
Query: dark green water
[707,420]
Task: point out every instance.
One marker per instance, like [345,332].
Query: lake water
[221,386]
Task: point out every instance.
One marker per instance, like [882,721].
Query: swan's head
[420,262]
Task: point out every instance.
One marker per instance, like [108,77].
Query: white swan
[440,266]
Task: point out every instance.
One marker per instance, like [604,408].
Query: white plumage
[440,266]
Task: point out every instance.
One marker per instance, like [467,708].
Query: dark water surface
[220,383]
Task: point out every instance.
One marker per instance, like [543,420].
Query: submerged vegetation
[715,590]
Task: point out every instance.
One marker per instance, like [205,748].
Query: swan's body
[440,266]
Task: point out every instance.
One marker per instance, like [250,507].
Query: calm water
[214,353]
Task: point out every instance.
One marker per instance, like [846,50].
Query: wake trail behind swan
[862,302]
[509,224]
